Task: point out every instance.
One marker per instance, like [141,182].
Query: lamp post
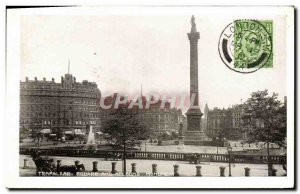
[229,149]
[124,152]
[217,141]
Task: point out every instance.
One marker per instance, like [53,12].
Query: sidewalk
[163,167]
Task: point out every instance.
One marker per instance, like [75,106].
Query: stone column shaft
[194,68]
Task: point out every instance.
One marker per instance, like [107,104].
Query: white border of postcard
[13,180]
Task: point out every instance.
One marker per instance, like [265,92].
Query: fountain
[180,146]
[90,143]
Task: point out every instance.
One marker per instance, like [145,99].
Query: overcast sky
[122,52]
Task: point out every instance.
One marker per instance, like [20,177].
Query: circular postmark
[245,46]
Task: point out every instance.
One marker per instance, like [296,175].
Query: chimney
[26,79]
[53,80]
[35,78]
[44,79]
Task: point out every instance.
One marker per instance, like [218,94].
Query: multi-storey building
[156,117]
[236,131]
[231,123]
[219,122]
[66,106]
[225,122]
[160,118]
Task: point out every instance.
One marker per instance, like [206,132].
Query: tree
[36,135]
[24,132]
[266,118]
[123,123]
[125,129]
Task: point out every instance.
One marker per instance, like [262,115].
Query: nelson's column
[194,135]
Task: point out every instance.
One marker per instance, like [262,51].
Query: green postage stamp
[253,44]
[245,46]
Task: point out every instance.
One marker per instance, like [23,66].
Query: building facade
[226,123]
[219,123]
[237,129]
[161,119]
[157,118]
[229,123]
[232,123]
[66,106]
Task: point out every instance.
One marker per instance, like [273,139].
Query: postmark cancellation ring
[245,46]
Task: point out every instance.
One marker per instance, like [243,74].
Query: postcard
[134,96]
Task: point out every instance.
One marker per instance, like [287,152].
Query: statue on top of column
[193,29]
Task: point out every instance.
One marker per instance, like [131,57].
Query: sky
[122,52]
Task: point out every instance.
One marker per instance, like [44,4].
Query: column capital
[193,36]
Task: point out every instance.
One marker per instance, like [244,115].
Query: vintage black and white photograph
[152,92]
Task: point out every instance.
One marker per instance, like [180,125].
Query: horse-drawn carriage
[46,165]
[195,158]
[112,156]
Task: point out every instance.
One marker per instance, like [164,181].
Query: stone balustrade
[175,156]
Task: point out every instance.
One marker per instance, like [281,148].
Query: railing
[235,158]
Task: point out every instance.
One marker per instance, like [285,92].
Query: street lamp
[124,152]
[217,141]
[229,149]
